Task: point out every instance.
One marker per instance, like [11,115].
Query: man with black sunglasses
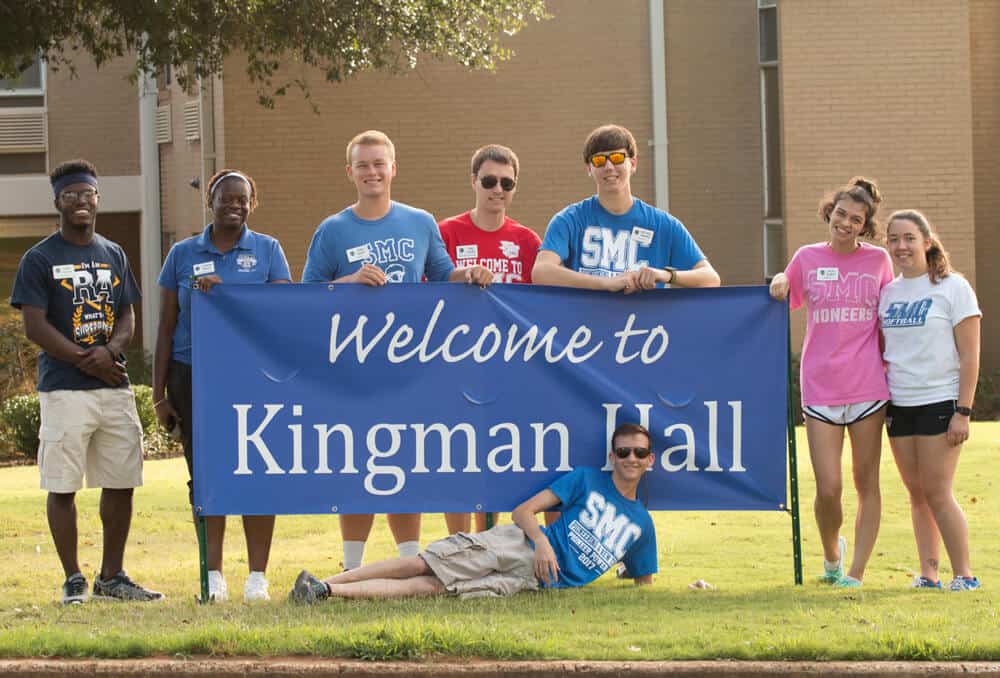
[602,522]
[613,241]
[485,235]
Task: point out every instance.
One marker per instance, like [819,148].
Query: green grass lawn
[755,612]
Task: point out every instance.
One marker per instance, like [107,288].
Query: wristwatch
[673,274]
[964,411]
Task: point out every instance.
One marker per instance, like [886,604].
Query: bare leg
[458,522]
[215,533]
[116,518]
[866,454]
[389,588]
[393,568]
[356,527]
[937,462]
[258,531]
[481,521]
[925,530]
[404,526]
[826,445]
[60,509]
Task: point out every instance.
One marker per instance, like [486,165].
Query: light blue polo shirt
[256,258]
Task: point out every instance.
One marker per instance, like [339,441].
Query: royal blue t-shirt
[405,243]
[592,240]
[598,528]
[256,258]
[82,289]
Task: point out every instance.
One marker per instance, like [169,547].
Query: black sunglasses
[640,452]
[489,181]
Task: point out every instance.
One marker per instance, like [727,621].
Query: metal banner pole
[202,556]
[793,485]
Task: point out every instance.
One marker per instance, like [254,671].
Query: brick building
[746,112]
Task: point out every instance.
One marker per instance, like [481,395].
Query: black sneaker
[74,590]
[120,587]
[308,589]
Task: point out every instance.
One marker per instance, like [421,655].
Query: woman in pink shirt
[842,377]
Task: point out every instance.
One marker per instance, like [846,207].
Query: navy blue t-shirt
[82,290]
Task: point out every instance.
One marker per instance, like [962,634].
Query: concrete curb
[288,667]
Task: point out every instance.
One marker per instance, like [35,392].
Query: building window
[30,83]
[772,171]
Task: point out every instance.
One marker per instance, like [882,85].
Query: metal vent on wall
[192,120]
[23,130]
[164,134]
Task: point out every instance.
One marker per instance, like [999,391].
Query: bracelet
[159,402]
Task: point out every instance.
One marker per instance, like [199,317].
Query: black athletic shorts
[919,420]
[179,395]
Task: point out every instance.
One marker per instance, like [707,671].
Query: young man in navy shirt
[602,522]
[75,291]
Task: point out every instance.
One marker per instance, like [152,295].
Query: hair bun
[869,186]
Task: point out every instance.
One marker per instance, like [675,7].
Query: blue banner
[447,397]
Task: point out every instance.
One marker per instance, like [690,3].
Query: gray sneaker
[74,590]
[307,589]
[120,587]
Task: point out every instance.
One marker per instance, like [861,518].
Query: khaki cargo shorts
[498,562]
[96,433]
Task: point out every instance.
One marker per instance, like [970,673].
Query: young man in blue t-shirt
[613,241]
[75,291]
[602,522]
[377,241]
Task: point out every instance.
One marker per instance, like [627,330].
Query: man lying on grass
[602,522]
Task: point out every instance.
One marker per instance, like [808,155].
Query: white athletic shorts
[96,433]
[844,415]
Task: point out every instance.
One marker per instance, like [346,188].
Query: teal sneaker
[921,582]
[964,584]
[308,589]
[834,575]
[848,582]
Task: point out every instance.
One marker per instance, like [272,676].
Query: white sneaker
[217,589]
[256,588]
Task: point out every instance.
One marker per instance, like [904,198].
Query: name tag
[828,273]
[62,272]
[643,236]
[204,268]
[467,251]
[359,253]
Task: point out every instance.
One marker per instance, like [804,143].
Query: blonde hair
[371,137]
[938,263]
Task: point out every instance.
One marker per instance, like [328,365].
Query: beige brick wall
[181,208]
[713,102]
[984,22]
[586,66]
[94,116]
[891,102]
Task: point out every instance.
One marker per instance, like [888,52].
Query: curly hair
[860,190]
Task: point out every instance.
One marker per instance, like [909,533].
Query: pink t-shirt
[841,362]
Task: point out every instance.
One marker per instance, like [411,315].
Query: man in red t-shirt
[485,235]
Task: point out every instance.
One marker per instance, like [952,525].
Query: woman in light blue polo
[226,251]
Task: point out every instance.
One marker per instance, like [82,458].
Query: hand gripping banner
[447,397]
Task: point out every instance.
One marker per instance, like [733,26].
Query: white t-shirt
[918,320]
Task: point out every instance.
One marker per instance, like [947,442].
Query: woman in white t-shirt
[930,319]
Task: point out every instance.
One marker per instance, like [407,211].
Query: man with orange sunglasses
[614,241]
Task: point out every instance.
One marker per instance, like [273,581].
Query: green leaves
[194,37]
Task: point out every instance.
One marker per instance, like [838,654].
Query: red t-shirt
[509,252]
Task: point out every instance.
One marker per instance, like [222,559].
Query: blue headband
[69,179]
